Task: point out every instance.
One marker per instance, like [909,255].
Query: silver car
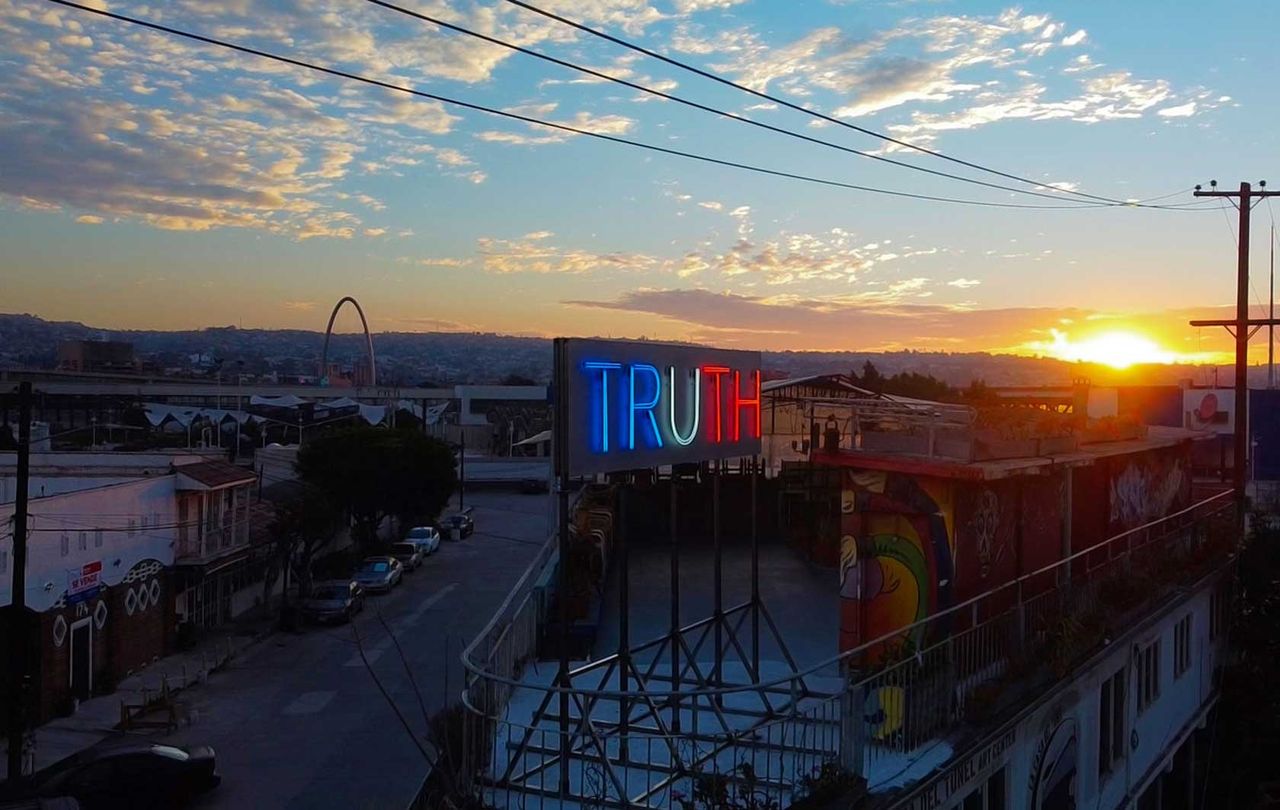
[425,538]
[379,574]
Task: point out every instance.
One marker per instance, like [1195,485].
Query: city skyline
[195,187]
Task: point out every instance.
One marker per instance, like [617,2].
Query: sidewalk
[99,718]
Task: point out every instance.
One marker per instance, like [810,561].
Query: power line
[706,74]
[707,108]
[552,124]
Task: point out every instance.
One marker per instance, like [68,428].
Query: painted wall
[897,553]
[118,526]
[913,546]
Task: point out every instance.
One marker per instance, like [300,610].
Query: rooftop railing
[945,677]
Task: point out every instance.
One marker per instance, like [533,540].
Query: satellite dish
[1208,407]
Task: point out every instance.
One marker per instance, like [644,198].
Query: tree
[302,527]
[871,377]
[375,473]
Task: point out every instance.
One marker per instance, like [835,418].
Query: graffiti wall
[1133,489]
[913,546]
[897,562]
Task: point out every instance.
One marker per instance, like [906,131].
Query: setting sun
[1116,349]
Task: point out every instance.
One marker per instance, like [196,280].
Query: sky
[152,182]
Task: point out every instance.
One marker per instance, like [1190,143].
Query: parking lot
[299,722]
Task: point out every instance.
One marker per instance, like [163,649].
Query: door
[82,659]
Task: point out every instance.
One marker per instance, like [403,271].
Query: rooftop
[991,469]
[213,475]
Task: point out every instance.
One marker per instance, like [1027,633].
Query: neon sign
[642,404]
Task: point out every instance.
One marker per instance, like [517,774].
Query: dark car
[409,555]
[458,524]
[333,601]
[134,774]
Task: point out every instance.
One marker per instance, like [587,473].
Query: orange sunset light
[1118,349]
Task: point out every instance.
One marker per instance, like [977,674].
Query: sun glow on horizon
[1118,349]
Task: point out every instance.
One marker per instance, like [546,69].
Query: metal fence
[949,672]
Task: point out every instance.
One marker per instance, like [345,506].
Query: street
[298,721]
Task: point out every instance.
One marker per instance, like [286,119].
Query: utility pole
[1243,200]
[1271,314]
[18,676]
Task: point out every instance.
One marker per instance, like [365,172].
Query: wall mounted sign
[83,583]
[637,404]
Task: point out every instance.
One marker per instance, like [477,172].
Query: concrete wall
[119,525]
[1059,732]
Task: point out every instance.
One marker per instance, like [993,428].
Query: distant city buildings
[96,356]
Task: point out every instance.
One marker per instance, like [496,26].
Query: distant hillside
[457,357]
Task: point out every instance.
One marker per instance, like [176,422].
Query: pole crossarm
[1231,322]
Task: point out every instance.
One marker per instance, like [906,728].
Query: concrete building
[96,356]
[122,550]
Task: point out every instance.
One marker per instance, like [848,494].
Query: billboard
[1210,409]
[635,404]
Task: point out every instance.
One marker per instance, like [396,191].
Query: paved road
[298,722]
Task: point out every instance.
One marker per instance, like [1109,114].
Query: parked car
[337,600]
[131,774]
[458,524]
[409,555]
[379,574]
[426,537]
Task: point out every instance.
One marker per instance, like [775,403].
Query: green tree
[375,473]
[303,526]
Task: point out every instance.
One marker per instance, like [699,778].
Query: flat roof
[1157,437]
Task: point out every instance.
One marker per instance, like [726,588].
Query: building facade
[127,555]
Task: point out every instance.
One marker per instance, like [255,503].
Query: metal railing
[935,678]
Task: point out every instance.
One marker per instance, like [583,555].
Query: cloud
[300,306]
[695,6]
[537,134]
[534,253]
[839,322]
[947,72]
[1075,39]
[89,219]
[184,136]
[964,283]
[1180,111]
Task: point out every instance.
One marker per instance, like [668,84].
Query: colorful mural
[897,553]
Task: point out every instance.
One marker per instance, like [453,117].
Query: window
[1148,672]
[4,561]
[987,796]
[1182,647]
[82,541]
[1219,604]
[1111,730]
[97,538]
[66,544]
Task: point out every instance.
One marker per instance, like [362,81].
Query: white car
[425,538]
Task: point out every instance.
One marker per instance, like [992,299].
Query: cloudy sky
[147,181]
